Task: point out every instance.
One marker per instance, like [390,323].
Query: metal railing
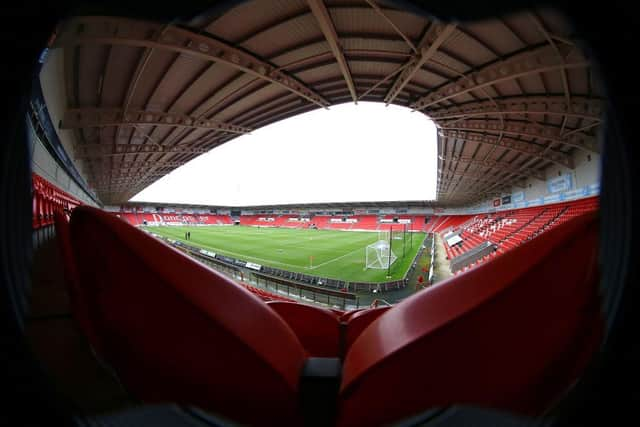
[313,286]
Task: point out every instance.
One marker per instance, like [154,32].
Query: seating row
[174,330]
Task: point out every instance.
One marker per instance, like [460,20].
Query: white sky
[349,153]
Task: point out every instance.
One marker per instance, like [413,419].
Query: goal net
[379,255]
[383,235]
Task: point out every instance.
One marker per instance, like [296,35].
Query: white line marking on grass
[335,259]
[244,256]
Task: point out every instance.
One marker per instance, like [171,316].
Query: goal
[383,235]
[379,255]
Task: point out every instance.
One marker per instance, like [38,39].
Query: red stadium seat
[349,314]
[512,334]
[174,330]
[318,329]
[359,322]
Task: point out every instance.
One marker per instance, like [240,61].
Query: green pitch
[336,254]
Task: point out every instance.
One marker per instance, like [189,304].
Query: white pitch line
[335,259]
[224,252]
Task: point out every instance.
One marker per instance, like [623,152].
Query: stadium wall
[561,184]
[54,91]
[48,168]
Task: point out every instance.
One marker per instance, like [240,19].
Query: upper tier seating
[182,218]
[366,222]
[130,217]
[320,220]
[283,220]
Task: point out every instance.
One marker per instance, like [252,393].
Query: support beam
[390,22]
[116,31]
[321,14]
[525,129]
[579,107]
[100,117]
[127,180]
[106,150]
[479,177]
[143,164]
[535,61]
[467,194]
[523,147]
[503,166]
[435,36]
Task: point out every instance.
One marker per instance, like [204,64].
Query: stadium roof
[297,206]
[509,96]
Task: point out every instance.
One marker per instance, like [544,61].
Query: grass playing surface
[336,254]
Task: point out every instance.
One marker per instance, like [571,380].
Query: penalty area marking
[334,259]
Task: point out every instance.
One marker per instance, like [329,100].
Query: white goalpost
[383,235]
[379,255]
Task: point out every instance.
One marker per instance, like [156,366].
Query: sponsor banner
[560,183]
[400,220]
[506,200]
[535,202]
[496,203]
[552,199]
[347,220]
[170,219]
[253,266]
[517,197]
[266,219]
[207,253]
[224,258]
[453,240]
[573,194]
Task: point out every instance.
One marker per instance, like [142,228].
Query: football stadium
[187,242]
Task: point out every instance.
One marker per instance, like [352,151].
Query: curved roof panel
[510,96]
